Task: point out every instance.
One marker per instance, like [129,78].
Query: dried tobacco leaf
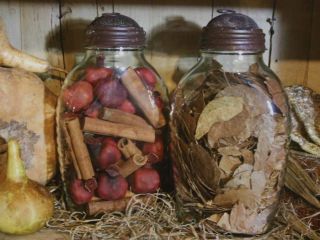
[302,171]
[297,136]
[301,101]
[298,181]
[218,110]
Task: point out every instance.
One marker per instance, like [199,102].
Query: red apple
[145,180]
[128,107]
[93,110]
[109,155]
[147,75]
[111,188]
[109,140]
[79,194]
[110,93]
[154,150]
[94,74]
[78,96]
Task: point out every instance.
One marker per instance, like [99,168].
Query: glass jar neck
[117,57]
[234,61]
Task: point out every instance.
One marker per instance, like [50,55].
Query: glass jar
[112,117]
[230,131]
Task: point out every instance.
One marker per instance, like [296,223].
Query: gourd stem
[15,169]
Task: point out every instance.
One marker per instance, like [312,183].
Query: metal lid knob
[232,31]
[114,30]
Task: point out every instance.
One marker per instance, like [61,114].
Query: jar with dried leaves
[230,130]
[112,119]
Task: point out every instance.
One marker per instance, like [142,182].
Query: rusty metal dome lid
[232,31]
[114,30]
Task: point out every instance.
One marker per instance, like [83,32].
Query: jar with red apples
[112,119]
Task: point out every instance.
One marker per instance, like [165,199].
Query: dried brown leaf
[258,182]
[278,95]
[241,177]
[239,127]
[204,166]
[265,133]
[224,222]
[232,196]
[229,151]
[218,110]
[248,156]
[228,164]
[238,218]
[255,102]
[248,221]
[215,217]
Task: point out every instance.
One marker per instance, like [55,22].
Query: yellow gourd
[25,205]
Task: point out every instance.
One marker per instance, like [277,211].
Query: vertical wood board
[313,80]
[291,41]
[10,14]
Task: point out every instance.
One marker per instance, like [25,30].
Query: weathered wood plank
[291,40]
[10,14]
[313,80]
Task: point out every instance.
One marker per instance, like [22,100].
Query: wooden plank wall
[53,29]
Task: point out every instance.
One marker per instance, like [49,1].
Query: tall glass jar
[230,130]
[112,118]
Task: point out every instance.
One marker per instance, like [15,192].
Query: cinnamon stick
[102,127]
[126,168]
[142,96]
[128,148]
[118,116]
[115,205]
[70,148]
[128,194]
[95,207]
[80,149]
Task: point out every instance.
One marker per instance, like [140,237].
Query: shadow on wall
[71,40]
[174,47]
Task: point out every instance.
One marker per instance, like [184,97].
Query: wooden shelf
[54,30]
